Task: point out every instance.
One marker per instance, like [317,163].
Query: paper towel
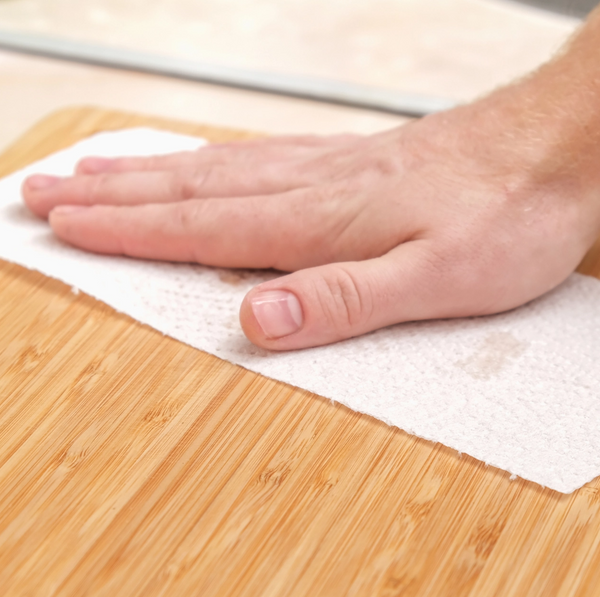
[519,390]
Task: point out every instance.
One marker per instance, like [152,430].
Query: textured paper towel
[519,390]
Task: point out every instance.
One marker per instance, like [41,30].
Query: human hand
[440,218]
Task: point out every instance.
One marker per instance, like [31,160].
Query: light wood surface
[131,465]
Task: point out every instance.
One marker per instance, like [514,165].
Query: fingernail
[278,313]
[96,165]
[37,182]
[68,209]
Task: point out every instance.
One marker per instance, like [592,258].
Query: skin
[473,211]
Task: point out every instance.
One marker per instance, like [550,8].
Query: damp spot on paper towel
[494,354]
[239,277]
[233,323]
[235,277]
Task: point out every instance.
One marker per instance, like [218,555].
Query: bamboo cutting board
[133,465]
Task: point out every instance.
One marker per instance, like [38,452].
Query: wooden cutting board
[132,465]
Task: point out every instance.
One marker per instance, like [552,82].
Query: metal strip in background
[322,90]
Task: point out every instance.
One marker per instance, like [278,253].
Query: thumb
[325,304]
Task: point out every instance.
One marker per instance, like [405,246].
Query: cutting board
[133,465]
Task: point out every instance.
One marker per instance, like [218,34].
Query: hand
[444,217]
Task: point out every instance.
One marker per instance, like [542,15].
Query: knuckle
[188,184]
[382,164]
[185,217]
[186,225]
[96,189]
[345,302]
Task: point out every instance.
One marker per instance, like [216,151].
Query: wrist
[542,133]
[527,141]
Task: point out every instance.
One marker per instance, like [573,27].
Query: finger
[42,194]
[100,165]
[255,151]
[333,302]
[258,232]
[286,142]
[295,140]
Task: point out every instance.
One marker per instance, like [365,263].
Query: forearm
[554,113]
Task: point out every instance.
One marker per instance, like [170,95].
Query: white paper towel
[519,390]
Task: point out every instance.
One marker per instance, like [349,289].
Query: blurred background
[453,49]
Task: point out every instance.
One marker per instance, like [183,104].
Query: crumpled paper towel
[519,390]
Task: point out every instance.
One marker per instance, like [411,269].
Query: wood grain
[134,465]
